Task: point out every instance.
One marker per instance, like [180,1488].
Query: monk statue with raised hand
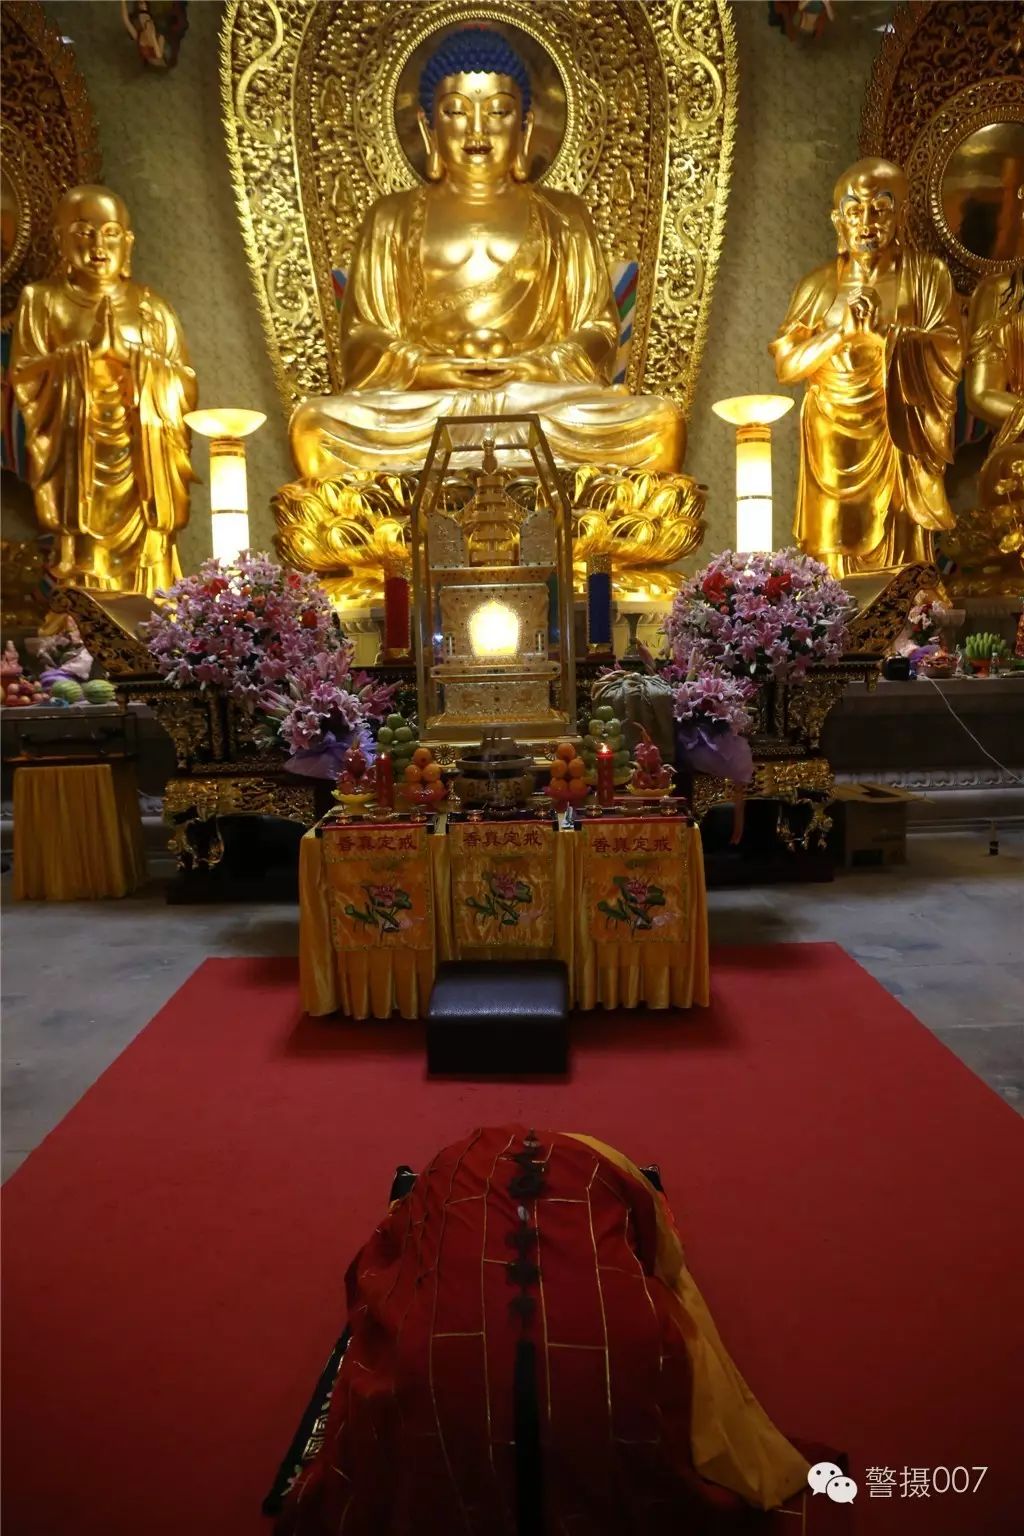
[103,381]
[479,294]
[876,337]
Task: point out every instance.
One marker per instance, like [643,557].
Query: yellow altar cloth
[380,905]
[77,832]
[367,942]
[641,915]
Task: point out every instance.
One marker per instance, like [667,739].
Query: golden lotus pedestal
[351,531]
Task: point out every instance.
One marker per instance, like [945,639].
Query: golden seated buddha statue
[477,294]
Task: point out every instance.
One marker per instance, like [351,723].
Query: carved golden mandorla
[49,138]
[649,91]
[942,72]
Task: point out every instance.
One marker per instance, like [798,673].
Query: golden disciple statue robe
[876,422]
[553,300]
[995,378]
[107,444]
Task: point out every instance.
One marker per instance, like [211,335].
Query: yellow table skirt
[629,974]
[77,832]
[368,983]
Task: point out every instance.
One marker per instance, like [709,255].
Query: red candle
[396,616]
[384,782]
[605,775]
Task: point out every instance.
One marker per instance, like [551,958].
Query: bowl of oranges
[422,782]
[568,783]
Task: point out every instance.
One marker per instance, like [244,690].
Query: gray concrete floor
[944,934]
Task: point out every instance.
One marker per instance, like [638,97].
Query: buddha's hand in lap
[444,372]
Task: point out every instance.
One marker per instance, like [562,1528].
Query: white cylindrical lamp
[752,416]
[227,428]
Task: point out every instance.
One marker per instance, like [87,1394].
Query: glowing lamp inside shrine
[227,428]
[752,416]
[494,630]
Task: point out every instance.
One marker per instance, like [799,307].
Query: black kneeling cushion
[495,1017]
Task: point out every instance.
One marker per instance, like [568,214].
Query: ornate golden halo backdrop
[945,72]
[308,96]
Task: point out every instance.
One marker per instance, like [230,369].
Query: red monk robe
[645,1425]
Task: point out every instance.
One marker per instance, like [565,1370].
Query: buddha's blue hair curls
[472,50]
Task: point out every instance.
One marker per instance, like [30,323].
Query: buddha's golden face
[866,219]
[478,127]
[95,240]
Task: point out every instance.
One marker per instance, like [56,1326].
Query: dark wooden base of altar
[771,850]
[257,860]
[236,836]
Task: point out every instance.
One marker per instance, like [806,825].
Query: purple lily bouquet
[269,640]
[712,721]
[761,616]
[743,620]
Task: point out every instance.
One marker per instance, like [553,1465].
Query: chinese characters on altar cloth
[620,901]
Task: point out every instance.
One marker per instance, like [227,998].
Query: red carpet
[850,1197]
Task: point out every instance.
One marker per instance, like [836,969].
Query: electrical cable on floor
[984,750]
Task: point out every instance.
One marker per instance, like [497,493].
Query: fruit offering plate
[356,804]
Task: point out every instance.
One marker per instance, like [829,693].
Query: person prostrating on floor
[528,1353]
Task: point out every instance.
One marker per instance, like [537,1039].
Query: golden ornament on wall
[48,139]
[946,99]
[946,102]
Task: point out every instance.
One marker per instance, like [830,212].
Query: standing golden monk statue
[995,382]
[479,294]
[876,336]
[103,381]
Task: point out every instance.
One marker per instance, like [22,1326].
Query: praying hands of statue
[106,339]
[862,310]
[799,356]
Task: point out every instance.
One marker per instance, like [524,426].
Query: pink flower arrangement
[269,640]
[770,615]
[712,698]
[710,706]
[924,621]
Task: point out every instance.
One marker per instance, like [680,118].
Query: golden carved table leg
[193,807]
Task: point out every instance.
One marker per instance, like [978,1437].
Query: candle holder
[397,647]
[599,605]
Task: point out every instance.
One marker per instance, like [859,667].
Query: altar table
[620,900]
[77,832]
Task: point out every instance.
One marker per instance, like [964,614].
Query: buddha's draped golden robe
[553,299]
[876,423]
[107,444]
